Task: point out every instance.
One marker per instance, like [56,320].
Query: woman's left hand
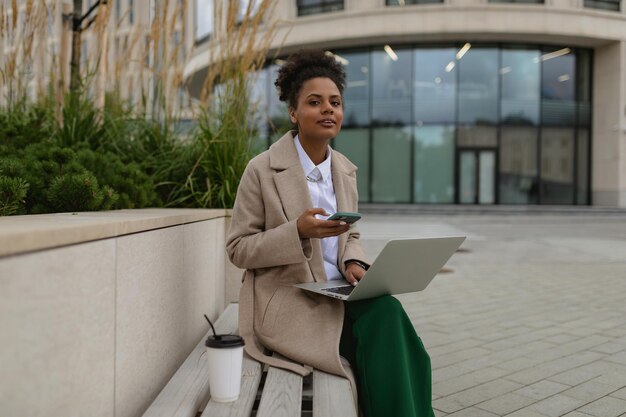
[354,273]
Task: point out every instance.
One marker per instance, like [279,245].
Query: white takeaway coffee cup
[225,358]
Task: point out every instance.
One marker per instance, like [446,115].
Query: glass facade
[612,5]
[518,1]
[406,2]
[460,123]
[308,7]
[204,15]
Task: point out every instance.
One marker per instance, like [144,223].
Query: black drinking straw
[212,328]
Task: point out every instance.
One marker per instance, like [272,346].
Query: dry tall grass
[23,41]
[144,62]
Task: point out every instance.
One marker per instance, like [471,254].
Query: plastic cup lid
[224,341]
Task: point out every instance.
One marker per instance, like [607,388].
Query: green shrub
[12,194]
[22,126]
[79,192]
[63,179]
[80,123]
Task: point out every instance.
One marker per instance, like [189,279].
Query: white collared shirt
[322,192]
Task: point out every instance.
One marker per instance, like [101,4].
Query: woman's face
[320,110]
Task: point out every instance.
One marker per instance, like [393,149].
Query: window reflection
[434,86]
[582,162]
[204,19]
[406,2]
[518,1]
[391,101]
[583,87]
[243,9]
[433,164]
[520,79]
[257,83]
[357,92]
[557,166]
[478,89]
[477,136]
[278,116]
[391,157]
[355,144]
[467,180]
[613,5]
[558,87]
[518,165]
[307,7]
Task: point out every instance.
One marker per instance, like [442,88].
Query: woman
[278,235]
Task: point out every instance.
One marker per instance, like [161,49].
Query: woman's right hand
[311,227]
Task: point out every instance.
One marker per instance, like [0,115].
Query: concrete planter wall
[98,310]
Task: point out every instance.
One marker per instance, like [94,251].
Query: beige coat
[263,239]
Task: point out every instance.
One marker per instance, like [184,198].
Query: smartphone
[345,216]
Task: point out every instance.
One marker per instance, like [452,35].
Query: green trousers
[391,365]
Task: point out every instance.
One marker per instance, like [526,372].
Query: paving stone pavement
[531,323]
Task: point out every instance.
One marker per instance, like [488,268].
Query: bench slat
[332,396]
[188,388]
[282,394]
[250,379]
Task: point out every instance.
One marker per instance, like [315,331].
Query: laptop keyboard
[345,290]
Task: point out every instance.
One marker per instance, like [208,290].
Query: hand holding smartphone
[347,217]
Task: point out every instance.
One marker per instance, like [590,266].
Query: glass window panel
[584,114]
[391,165]
[557,166]
[582,195]
[391,88]
[583,86]
[520,80]
[478,90]
[278,111]
[612,5]
[477,136]
[518,182]
[583,75]
[517,1]
[434,86]
[357,93]
[433,173]
[467,180]
[355,144]
[257,83]
[204,18]
[558,87]
[131,11]
[118,9]
[308,7]
[406,2]
[487,188]
[243,8]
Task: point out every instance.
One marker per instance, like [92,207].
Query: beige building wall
[609,125]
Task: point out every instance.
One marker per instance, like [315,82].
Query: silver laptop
[403,266]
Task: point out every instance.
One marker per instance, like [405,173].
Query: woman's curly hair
[304,65]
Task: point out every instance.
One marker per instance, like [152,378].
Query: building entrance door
[476,176]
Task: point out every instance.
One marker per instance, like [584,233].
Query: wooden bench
[265,392]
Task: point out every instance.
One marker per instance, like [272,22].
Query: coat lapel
[294,192]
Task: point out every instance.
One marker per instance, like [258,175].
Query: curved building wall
[550,128]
